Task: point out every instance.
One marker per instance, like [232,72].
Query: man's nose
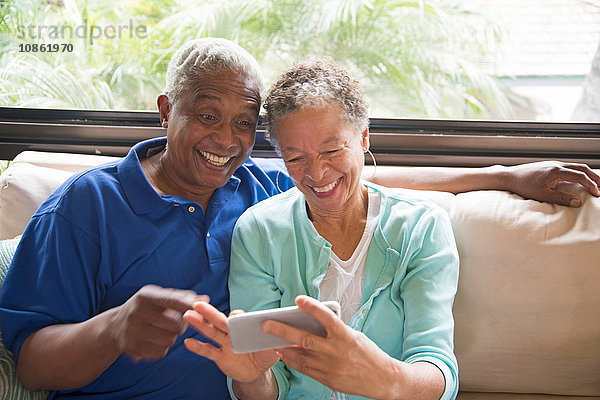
[223,134]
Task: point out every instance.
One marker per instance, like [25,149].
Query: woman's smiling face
[323,154]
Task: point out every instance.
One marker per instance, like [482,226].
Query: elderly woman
[388,257]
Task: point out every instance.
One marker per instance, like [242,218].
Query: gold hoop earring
[374,163]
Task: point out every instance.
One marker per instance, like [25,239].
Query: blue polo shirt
[104,234]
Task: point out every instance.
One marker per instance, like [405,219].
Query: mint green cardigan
[410,280]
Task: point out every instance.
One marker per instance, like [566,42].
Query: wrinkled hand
[544,181]
[346,360]
[212,323]
[148,324]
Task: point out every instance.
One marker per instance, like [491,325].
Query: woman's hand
[212,323]
[346,360]
[547,181]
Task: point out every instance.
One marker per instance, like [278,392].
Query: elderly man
[98,321]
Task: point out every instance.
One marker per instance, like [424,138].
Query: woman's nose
[315,169]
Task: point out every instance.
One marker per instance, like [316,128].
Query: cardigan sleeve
[251,281]
[428,291]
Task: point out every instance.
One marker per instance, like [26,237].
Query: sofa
[527,311]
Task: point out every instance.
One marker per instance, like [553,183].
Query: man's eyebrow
[254,108]
[201,95]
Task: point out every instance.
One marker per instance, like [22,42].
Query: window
[430,68]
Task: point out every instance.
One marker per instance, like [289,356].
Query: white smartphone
[246,334]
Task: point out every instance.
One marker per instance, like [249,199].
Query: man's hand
[548,181]
[148,324]
[69,356]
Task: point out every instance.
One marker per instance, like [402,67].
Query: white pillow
[72,162]
[23,187]
[527,310]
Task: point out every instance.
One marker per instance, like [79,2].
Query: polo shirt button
[207,234]
[191,209]
[364,311]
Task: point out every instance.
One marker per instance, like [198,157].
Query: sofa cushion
[10,386]
[31,177]
[527,310]
[71,162]
[23,187]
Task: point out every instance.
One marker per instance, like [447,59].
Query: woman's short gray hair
[315,83]
[209,55]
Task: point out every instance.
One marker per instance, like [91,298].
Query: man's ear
[164,109]
[365,140]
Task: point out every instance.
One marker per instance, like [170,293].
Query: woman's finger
[236,312]
[202,349]
[207,329]
[321,313]
[309,363]
[212,315]
[294,335]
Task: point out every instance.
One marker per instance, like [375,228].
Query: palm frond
[29,82]
[419,58]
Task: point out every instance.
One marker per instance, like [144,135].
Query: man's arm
[542,181]
[70,356]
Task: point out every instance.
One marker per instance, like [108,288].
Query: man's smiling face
[211,130]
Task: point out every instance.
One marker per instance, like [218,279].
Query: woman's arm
[539,181]
[427,292]
[264,387]
[349,362]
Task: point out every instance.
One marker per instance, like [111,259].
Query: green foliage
[3,165]
[413,58]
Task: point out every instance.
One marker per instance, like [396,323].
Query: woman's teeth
[214,159]
[327,188]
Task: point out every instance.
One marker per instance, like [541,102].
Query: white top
[343,281]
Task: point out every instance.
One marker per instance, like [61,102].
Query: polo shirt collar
[141,195]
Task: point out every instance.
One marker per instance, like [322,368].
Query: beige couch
[528,305]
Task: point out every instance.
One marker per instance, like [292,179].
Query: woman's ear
[164,109]
[365,140]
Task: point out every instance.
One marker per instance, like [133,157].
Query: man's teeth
[323,189]
[214,159]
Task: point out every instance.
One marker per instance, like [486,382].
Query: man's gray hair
[209,55]
[315,83]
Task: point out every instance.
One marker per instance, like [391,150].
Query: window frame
[393,141]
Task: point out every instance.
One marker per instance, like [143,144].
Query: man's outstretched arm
[542,181]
